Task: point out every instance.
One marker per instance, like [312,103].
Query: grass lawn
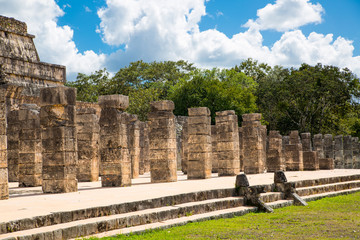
[328,218]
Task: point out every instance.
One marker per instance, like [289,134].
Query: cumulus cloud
[54,43]
[286,15]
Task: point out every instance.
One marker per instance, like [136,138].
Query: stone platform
[27,204]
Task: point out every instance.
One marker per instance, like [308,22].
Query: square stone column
[241,146]
[348,152]
[227,143]
[200,146]
[306,142]
[356,152]
[4,184]
[184,146]
[30,147]
[254,144]
[134,144]
[13,129]
[319,145]
[215,162]
[115,164]
[59,142]
[275,158]
[339,151]
[294,153]
[162,141]
[310,160]
[88,135]
[144,148]
[326,163]
[328,146]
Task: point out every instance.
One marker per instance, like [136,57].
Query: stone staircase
[165,211]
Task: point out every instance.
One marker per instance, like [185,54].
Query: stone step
[99,211]
[90,226]
[324,181]
[332,187]
[271,196]
[225,213]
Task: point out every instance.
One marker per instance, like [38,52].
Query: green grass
[328,218]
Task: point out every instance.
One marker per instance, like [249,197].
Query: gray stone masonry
[184,146]
[328,146]
[4,185]
[215,164]
[356,152]
[134,144]
[339,152]
[115,164]
[319,145]
[326,163]
[59,142]
[306,142]
[13,129]
[30,147]
[227,143]
[294,153]
[200,147]
[88,135]
[147,147]
[144,148]
[254,144]
[310,160]
[348,152]
[241,147]
[162,141]
[275,160]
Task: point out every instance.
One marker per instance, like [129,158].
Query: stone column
[254,144]
[57,119]
[214,163]
[339,151]
[326,163]
[184,147]
[147,147]
[241,146]
[348,152]
[294,153]
[13,129]
[88,135]
[319,145]
[144,148]
[30,156]
[328,146]
[306,142]
[115,165]
[274,158]
[227,143]
[4,185]
[134,144]
[200,148]
[356,152]
[162,141]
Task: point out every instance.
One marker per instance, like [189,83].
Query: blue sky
[92,34]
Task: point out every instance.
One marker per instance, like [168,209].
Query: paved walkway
[30,202]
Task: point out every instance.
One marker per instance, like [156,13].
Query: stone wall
[339,151]
[162,141]
[275,160]
[13,129]
[294,153]
[4,185]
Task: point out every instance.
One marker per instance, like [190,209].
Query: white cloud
[54,43]
[87,9]
[286,15]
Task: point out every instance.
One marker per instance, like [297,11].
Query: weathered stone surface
[227,143]
[163,158]
[356,152]
[241,146]
[88,136]
[199,156]
[319,145]
[311,161]
[115,161]
[30,157]
[144,148]
[328,146]
[348,152]
[59,140]
[275,157]
[4,185]
[254,144]
[134,145]
[339,152]
[12,132]
[294,153]
[185,144]
[120,102]
[326,163]
[306,142]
